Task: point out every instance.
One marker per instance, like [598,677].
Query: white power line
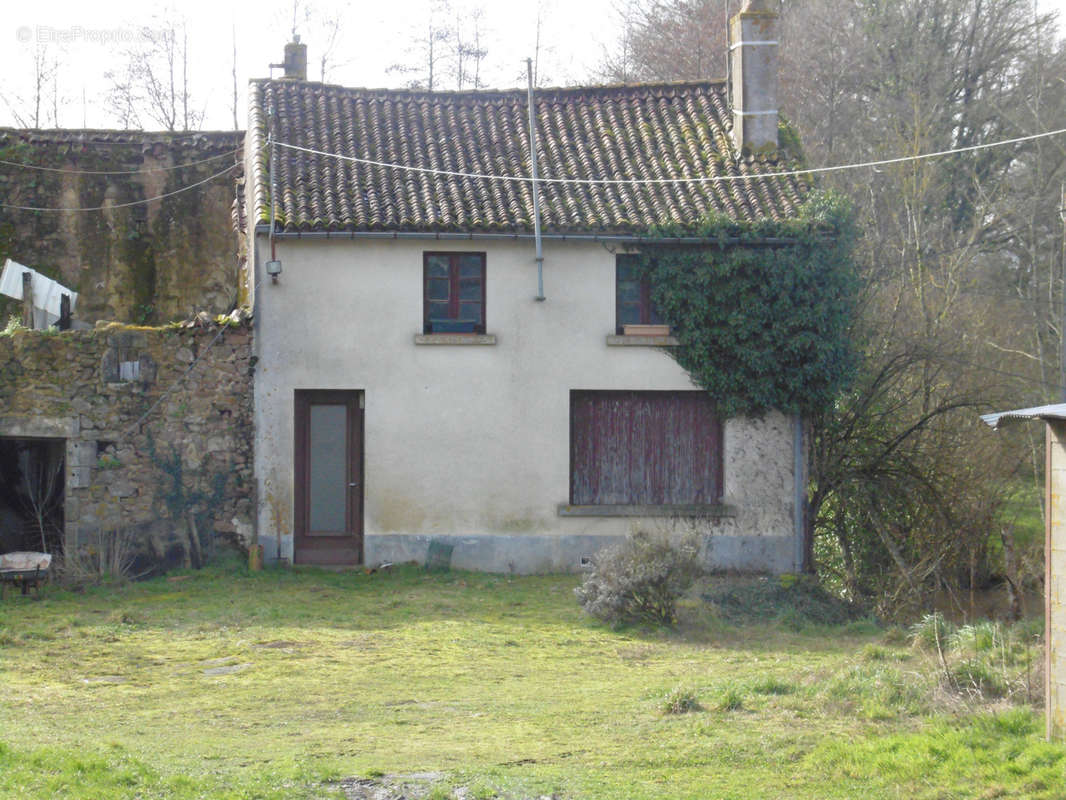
[120,172]
[125,205]
[579,181]
[705,179]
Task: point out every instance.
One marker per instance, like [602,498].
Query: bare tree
[31,110]
[449,52]
[41,471]
[428,50]
[669,40]
[468,49]
[322,26]
[153,83]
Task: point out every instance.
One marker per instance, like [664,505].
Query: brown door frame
[327,548]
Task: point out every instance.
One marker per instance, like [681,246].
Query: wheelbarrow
[23,570]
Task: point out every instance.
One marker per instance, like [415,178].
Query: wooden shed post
[27,299]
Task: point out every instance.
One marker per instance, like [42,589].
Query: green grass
[500,684]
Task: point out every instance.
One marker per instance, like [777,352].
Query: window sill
[456,338]
[716,510]
[615,340]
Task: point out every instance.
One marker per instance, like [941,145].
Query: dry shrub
[640,579]
[107,556]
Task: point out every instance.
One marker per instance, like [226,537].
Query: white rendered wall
[473,441]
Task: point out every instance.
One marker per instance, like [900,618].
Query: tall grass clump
[931,632]
[990,660]
[984,660]
[680,700]
[640,580]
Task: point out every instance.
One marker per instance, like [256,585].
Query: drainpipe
[799,499]
[273,187]
[536,185]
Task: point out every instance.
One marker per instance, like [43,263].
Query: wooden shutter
[644,448]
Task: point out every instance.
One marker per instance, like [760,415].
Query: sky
[87,40]
[90,39]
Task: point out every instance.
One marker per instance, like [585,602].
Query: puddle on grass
[279,644]
[215,671]
[390,787]
[214,662]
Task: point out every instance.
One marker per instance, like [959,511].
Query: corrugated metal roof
[1054,411]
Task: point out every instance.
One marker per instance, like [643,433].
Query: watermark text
[77,34]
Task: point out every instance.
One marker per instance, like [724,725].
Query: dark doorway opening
[32,477]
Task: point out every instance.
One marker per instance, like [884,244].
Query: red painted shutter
[644,448]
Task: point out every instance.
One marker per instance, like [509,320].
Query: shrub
[639,580]
[680,700]
[108,555]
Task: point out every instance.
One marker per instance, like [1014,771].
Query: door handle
[352,485]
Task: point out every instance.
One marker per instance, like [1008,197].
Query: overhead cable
[218,157]
[646,181]
[128,204]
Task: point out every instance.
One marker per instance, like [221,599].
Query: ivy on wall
[762,322]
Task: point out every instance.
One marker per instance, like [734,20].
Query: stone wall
[145,263]
[157,424]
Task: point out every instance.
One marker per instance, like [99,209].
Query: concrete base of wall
[531,555]
[541,554]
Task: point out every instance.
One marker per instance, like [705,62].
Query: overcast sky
[89,39]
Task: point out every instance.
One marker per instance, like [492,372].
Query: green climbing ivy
[762,323]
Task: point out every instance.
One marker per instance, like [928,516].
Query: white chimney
[753,47]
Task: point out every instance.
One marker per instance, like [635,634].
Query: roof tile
[648,131]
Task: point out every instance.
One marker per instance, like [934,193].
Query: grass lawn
[225,684]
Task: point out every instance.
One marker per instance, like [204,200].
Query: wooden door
[329,478]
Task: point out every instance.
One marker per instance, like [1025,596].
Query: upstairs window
[453,292]
[633,303]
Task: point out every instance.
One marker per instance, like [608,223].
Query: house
[435,364]
[1054,558]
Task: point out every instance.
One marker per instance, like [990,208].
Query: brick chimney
[753,47]
[295,63]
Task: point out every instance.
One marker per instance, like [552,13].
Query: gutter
[562,237]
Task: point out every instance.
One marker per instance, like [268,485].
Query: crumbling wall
[142,263]
[157,424]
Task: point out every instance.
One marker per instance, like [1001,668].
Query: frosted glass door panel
[329,469]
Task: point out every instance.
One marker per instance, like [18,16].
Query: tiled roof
[677,130]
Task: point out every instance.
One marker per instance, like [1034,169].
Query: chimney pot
[753,42]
